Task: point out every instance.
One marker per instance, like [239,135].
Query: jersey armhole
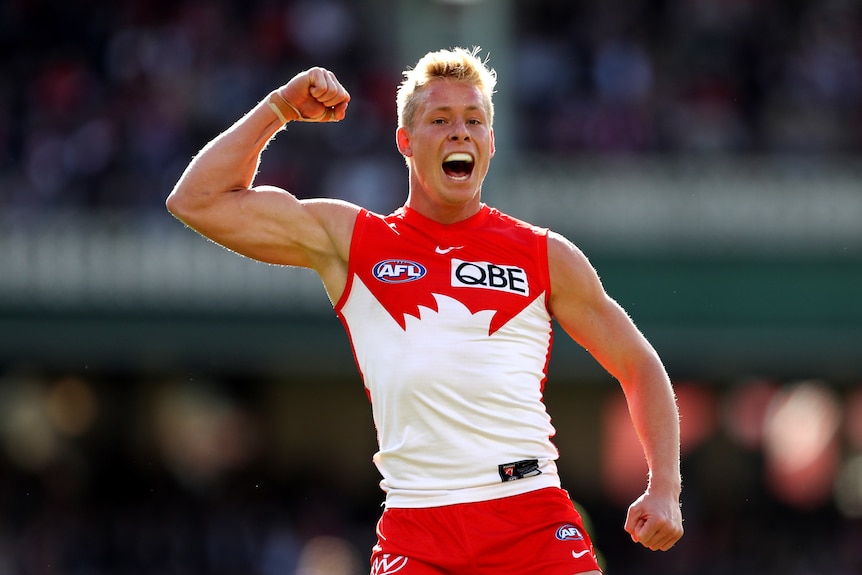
[545,266]
[352,259]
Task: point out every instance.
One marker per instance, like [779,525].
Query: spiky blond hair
[454,64]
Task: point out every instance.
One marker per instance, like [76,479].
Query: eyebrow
[449,108]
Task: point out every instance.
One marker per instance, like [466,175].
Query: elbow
[174,206]
[179,205]
[173,203]
[647,369]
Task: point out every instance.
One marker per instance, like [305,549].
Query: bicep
[589,315]
[271,225]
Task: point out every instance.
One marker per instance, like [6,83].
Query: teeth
[459,157]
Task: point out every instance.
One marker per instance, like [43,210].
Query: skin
[451,118]
[216,197]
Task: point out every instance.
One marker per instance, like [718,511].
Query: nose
[459,132]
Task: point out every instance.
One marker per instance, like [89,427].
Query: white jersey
[451,332]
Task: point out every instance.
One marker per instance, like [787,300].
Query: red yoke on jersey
[451,331]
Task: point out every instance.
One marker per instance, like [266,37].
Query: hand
[655,521]
[316,95]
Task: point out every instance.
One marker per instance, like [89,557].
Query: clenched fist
[655,521]
[315,95]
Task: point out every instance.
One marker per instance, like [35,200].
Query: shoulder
[563,251]
[572,273]
[332,210]
[338,218]
[511,221]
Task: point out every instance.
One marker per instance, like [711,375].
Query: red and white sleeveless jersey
[451,332]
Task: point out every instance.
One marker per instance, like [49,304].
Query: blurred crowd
[118,474]
[103,103]
[691,76]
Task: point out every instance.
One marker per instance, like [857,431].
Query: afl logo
[398,271]
[569,532]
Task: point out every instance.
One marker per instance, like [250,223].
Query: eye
[474,121]
[438,121]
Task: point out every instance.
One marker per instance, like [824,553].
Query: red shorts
[536,533]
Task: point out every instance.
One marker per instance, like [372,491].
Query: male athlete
[463,296]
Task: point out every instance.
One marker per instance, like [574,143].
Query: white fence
[646,207]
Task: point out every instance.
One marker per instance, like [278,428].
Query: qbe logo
[486,275]
[398,271]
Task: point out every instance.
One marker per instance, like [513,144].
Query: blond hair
[457,64]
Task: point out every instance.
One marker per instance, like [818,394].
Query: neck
[442,212]
[443,206]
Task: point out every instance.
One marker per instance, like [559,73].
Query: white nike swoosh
[440,250]
[581,554]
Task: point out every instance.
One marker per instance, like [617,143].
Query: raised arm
[215,195]
[593,319]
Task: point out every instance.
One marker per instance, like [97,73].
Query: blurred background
[168,407]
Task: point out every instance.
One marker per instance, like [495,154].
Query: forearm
[227,163]
[654,413]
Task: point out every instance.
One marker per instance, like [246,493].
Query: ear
[402,139]
[493,148]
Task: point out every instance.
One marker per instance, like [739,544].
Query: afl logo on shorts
[398,271]
[569,532]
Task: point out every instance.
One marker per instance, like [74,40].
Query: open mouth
[458,165]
